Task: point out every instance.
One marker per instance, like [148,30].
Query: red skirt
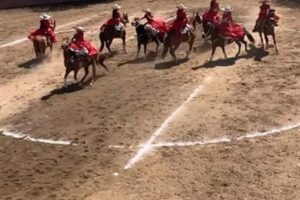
[92,51]
[43,32]
[231,30]
[210,16]
[159,25]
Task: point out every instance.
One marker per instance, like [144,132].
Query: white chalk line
[15,42]
[22,136]
[220,140]
[148,146]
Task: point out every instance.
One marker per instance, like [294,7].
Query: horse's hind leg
[172,51]
[212,52]
[245,43]
[139,49]
[157,46]
[239,45]
[66,75]
[94,72]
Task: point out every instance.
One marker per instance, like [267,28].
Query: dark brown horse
[73,62]
[212,32]
[266,29]
[145,36]
[173,40]
[108,33]
[41,43]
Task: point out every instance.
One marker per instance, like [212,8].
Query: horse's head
[136,22]
[198,18]
[208,29]
[125,18]
[65,44]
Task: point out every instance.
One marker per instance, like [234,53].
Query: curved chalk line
[22,136]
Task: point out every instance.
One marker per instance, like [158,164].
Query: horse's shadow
[170,64]
[150,57]
[256,53]
[32,63]
[75,87]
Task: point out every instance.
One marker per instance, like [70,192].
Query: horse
[211,32]
[267,28]
[173,40]
[109,32]
[41,43]
[145,35]
[74,61]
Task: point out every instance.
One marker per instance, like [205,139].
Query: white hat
[147,10]
[45,16]
[79,28]
[181,7]
[116,7]
[227,9]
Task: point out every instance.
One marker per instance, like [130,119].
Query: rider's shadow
[256,53]
[64,90]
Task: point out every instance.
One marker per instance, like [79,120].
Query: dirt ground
[257,91]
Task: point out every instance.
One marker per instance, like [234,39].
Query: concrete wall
[20,3]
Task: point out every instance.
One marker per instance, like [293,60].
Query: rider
[228,28]
[272,16]
[181,21]
[212,15]
[46,28]
[115,20]
[159,27]
[263,14]
[80,45]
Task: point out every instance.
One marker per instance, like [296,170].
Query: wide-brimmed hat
[79,29]
[227,9]
[116,7]
[148,10]
[45,16]
[181,7]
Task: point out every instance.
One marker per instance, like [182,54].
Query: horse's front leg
[157,46]
[275,42]
[267,41]
[224,51]
[174,48]
[86,72]
[124,42]
[94,72]
[108,43]
[138,50]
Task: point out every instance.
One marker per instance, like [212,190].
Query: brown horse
[266,29]
[212,32]
[173,40]
[109,33]
[73,62]
[41,43]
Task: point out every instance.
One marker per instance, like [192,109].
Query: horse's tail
[167,44]
[249,36]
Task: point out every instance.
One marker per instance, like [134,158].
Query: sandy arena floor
[151,129]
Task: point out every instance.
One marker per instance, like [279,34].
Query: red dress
[228,28]
[78,42]
[264,11]
[180,22]
[46,29]
[116,18]
[211,16]
[161,26]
